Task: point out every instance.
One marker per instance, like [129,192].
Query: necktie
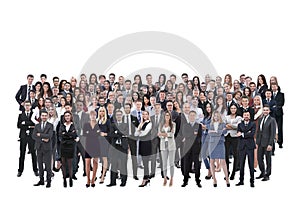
[43,126]
[263,123]
[139,116]
[156,120]
[274,94]
[28,93]
[27,114]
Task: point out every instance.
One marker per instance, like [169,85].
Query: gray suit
[264,138]
[155,142]
[44,149]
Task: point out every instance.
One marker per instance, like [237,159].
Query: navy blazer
[272,105]
[247,142]
[22,95]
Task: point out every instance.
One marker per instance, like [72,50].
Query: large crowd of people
[163,125]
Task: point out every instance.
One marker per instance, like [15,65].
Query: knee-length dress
[92,140]
[68,142]
[104,141]
[216,145]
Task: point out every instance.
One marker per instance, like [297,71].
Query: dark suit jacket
[85,118]
[154,130]
[119,132]
[134,124]
[176,117]
[192,142]
[267,135]
[279,99]
[241,110]
[272,105]
[24,127]
[262,91]
[22,95]
[247,142]
[47,133]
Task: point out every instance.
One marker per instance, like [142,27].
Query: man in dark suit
[118,150]
[192,148]
[23,92]
[270,101]
[162,99]
[278,112]
[265,140]
[229,102]
[83,118]
[156,120]
[42,135]
[132,123]
[246,130]
[26,127]
[246,108]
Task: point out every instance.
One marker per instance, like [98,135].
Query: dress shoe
[84,174]
[184,184]
[74,177]
[266,178]
[208,177]
[141,167]
[177,165]
[122,184]
[65,183]
[151,176]
[48,185]
[110,185]
[40,183]
[93,185]
[231,177]
[228,185]
[240,184]
[36,173]
[199,185]
[260,176]
[280,146]
[252,185]
[19,174]
[71,182]
[136,178]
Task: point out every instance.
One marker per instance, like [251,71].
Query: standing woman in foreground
[68,135]
[144,133]
[216,147]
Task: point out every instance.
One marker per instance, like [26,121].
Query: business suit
[24,124]
[23,94]
[279,99]
[192,149]
[132,122]
[246,148]
[83,119]
[176,118]
[180,143]
[44,149]
[118,152]
[272,104]
[249,109]
[155,142]
[265,137]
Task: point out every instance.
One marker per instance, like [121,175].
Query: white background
[57,37]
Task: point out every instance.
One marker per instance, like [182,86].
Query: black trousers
[279,121]
[23,143]
[189,158]
[261,152]
[232,143]
[133,150]
[118,162]
[44,156]
[242,154]
[156,150]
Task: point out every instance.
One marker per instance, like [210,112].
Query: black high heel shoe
[65,182]
[228,185]
[208,177]
[71,182]
[215,185]
[87,185]
[93,185]
[146,183]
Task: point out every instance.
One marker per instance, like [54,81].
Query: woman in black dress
[144,133]
[91,131]
[104,125]
[68,135]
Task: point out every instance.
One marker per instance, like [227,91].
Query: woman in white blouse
[231,138]
[144,133]
[167,145]
[35,118]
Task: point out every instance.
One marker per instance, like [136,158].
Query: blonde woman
[104,125]
[166,132]
[258,112]
[216,132]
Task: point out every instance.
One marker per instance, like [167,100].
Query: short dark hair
[127,104]
[55,77]
[43,75]
[43,111]
[30,76]
[112,74]
[245,97]
[173,75]
[192,111]
[266,105]
[68,104]
[127,81]
[184,74]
